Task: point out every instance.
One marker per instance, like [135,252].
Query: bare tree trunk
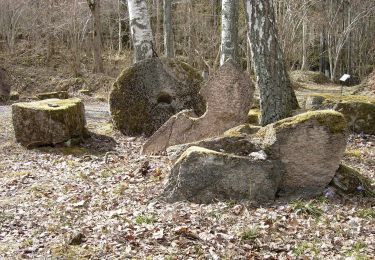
[304,38]
[168,32]
[277,96]
[229,33]
[158,23]
[119,27]
[349,69]
[140,28]
[94,6]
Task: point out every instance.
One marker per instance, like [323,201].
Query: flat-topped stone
[49,121]
[49,95]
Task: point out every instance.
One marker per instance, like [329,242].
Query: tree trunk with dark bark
[277,96]
[94,6]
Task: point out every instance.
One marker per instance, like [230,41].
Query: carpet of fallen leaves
[100,201]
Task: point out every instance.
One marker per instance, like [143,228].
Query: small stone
[77,239]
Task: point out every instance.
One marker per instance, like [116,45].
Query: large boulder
[4,86]
[203,176]
[49,121]
[148,93]
[359,111]
[310,146]
[228,96]
[360,116]
[293,158]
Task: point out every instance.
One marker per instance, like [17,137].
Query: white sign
[345,77]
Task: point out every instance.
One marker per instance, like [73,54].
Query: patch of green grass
[353,153]
[145,219]
[308,208]
[72,252]
[355,251]
[300,248]
[366,213]
[249,234]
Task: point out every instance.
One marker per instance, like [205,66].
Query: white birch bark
[140,28]
[229,33]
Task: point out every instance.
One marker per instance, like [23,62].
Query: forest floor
[97,201]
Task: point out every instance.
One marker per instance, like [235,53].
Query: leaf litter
[100,201]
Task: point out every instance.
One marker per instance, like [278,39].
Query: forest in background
[331,36]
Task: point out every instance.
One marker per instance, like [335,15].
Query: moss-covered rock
[202,176]
[254,116]
[246,129]
[49,121]
[360,116]
[14,96]
[300,76]
[57,94]
[350,181]
[359,111]
[310,146]
[148,93]
[86,92]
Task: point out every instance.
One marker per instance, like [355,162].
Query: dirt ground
[98,201]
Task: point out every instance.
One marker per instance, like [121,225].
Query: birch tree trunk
[277,97]
[94,6]
[168,32]
[304,37]
[140,29]
[229,33]
[119,17]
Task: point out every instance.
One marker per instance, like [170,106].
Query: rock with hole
[148,93]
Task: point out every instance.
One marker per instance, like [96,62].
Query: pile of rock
[294,158]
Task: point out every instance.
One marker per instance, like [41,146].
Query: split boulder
[228,96]
[48,122]
[203,176]
[148,93]
[293,158]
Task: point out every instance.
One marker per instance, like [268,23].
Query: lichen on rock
[148,93]
[49,121]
